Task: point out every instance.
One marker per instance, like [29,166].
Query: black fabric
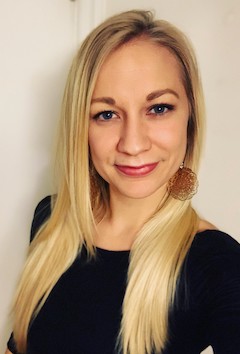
[83,312]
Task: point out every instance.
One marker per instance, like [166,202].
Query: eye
[160,109]
[104,115]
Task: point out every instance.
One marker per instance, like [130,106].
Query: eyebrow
[151,96]
[159,93]
[108,100]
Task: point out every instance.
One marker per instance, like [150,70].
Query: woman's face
[138,120]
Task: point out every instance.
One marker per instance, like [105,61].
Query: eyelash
[98,115]
[164,107]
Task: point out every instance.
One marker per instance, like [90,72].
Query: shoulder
[214,262]
[210,276]
[214,249]
[44,206]
[214,242]
[41,214]
[205,225]
[213,272]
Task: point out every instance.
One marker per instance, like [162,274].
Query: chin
[143,192]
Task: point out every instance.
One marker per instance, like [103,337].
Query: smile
[137,171]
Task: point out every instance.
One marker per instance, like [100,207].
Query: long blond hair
[82,197]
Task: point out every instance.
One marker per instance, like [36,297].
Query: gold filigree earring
[183,184]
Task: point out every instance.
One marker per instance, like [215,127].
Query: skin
[140,91]
[136,135]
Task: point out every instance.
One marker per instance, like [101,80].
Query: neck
[133,211]
[125,218]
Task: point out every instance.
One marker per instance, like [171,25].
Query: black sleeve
[224,314]
[41,214]
[218,256]
[11,345]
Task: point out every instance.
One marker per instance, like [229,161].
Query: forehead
[140,63]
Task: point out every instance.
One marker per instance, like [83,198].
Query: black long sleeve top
[83,312]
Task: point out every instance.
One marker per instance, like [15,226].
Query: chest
[83,312]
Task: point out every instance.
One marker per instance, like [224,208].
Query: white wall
[37,40]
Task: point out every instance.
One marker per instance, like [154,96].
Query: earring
[183,184]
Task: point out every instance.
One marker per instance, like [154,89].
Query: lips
[137,171]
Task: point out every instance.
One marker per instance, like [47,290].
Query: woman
[120,261]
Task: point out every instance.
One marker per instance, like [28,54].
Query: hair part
[82,197]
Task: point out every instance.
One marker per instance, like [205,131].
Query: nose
[134,138]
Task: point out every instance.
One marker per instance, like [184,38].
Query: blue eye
[160,109]
[105,115]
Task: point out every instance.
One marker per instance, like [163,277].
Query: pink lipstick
[137,171]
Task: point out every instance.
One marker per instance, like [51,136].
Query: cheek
[93,144]
[172,136]
[100,145]
[96,150]
[97,156]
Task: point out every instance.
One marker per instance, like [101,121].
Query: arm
[41,214]
[224,312]
[214,271]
